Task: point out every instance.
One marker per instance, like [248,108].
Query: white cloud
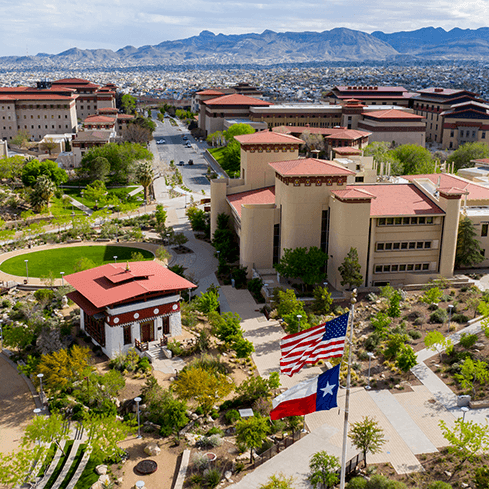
[58,25]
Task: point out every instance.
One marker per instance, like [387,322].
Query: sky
[53,26]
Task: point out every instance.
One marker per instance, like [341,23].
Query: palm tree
[42,193]
[145,176]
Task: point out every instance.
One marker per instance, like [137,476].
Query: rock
[104,479]
[228,475]
[101,469]
[119,481]
[209,419]
[152,450]
[464,484]
[97,485]
[224,354]
[448,474]
[172,379]
[194,416]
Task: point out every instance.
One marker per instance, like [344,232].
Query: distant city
[293,83]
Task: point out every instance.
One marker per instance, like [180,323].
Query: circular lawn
[64,259]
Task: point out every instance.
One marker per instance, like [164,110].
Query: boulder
[97,485]
[228,475]
[152,450]
[101,469]
[104,479]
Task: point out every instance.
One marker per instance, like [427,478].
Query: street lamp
[62,278]
[450,307]
[27,269]
[299,317]
[41,392]
[115,258]
[37,411]
[464,410]
[138,400]
[370,355]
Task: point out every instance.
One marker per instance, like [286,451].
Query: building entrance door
[166,325]
[147,331]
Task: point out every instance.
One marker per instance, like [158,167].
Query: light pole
[41,392]
[27,269]
[138,400]
[115,258]
[37,411]
[189,295]
[1,331]
[450,307]
[370,355]
[299,317]
[464,410]
[62,278]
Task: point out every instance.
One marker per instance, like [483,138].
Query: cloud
[58,25]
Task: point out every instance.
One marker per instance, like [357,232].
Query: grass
[57,208]
[63,259]
[61,463]
[76,194]
[88,476]
[218,154]
[74,466]
[47,460]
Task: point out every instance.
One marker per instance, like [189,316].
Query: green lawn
[218,154]
[121,192]
[57,208]
[41,263]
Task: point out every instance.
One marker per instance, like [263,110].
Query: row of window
[45,116]
[403,267]
[37,107]
[53,126]
[404,245]
[404,221]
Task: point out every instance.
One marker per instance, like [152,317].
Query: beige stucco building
[404,232]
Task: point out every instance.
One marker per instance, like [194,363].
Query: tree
[160,215]
[350,270]
[34,169]
[254,388]
[322,300]
[21,139]
[47,429]
[472,373]
[469,252]
[431,296]
[238,130]
[323,470]
[63,367]
[251,432]
[207,388]
[406,358]
[16,467]
[96,192]
[223,239]
[145,176]
[279,481]
[19,337]
[11,168]
[435,341]
[207,302]
[367,436]
[466,439]
[100,169]
[414,159]
[467,152]
[135,133]
[312,142]
[382,153]
[303,263]
[104,435]
[48,145]
[42,193]
[128,104]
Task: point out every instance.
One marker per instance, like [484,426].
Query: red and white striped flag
[317,343]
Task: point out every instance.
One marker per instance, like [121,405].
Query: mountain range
[269,47]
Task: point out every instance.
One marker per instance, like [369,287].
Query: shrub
[439,316]
[144,365]
[254,286]
[212,478]
[175,347]
[231,416]
[378,481]
[357,483]
[413,315]
[211,441]
[460,318]
[439,485]
[200,461]
[214,431]
[468,340]
[481,478]
[372,341]
[414,334]
[199,411]
[5,303]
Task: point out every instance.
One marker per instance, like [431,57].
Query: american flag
[318,343]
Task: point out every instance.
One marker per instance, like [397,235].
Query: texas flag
[317,394]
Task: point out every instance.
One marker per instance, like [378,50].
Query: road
[174,149]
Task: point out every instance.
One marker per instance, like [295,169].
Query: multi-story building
[91,97]
[404,233]
[39,111]
[370,95]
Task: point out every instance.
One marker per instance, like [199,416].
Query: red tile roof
[353,194]
[236,99]
[103,286]
[210,92]
[348,134]
[268,138]
[334,132]
[35,96]
[485,161]
[309,167]
[91,136]
[79,81]
[125,116]
[392,114]
[108,110]
[261,196]
[369,89]
[346,150]
[101,119]
[398,199]
[476,191]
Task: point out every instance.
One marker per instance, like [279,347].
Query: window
[380,246]
[426,266]
[410,267]
[412,245]
[417,266]
[396,246]
[387,268]
[127,334]
[394,268]
[421,220]
[414,220]
[388,246]
[378,269]
[404,246]
[405,220]
[427,245]
[390,221]
[419,245]
[483,135]
[484,229]
[402,268]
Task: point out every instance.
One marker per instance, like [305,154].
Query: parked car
[190,162]
[185,138]
[181,163]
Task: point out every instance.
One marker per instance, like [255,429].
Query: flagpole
[353,300]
